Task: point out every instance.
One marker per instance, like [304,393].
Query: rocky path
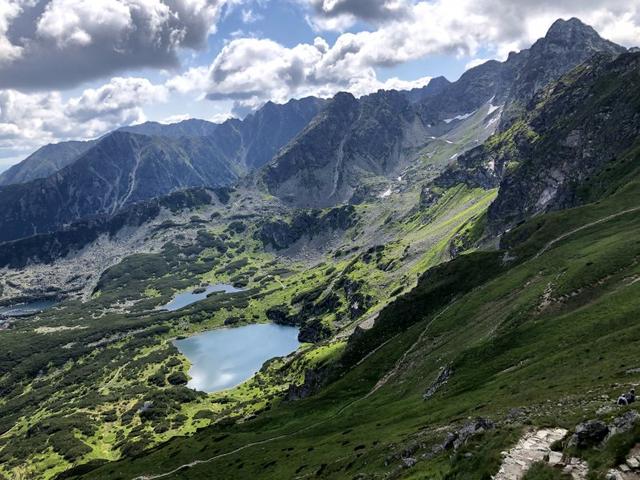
[535,446]
[587,225]
[630,470]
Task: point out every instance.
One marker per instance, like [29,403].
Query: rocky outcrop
[281,234]
[479,167]
[314,331]
[440,381]
[313,381]
[350,141]
[624,423]
[457,438]
[568,43]
[573,146]
[589,434]
[46,248]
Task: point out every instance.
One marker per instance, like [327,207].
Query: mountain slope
[567,44]
[486,347]
[121,169]
[53,157]
[187,128]
[355,141]
[428,355]
[547,341]
[45,161]
[349,140]
[513,83]
[124,168]
[573,146]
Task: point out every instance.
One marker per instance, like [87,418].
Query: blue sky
[76,69]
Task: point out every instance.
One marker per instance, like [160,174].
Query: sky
[76,69]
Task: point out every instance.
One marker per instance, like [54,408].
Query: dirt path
[396,368]
[587,225]
[252,444]
[261,442]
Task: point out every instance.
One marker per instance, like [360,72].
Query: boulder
[589,434]
[408,462]
[555,458]
[443,378]
[624,423]
[472,428]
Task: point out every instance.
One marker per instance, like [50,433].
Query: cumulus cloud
[60,43]
[250,71]
[341,14]
[28,120]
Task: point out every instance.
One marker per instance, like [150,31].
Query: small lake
[26,308]
[226,357]
[184,299]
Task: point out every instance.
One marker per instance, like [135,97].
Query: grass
[542,471]
[550,335]
[515,341]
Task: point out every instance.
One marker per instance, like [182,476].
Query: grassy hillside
[547,340]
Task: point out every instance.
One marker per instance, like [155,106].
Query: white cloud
[180,117]
[339,15]
[57,43]
[396,83]
[31,120]
[249,16]
[60,43]
[195,79]
[8,12]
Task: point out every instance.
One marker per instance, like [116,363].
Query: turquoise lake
[27,308]
[184,299]
[226,357]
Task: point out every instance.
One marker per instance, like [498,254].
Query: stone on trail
[533,447]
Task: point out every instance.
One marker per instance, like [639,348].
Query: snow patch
[493,108]
[491,122]
[385,194]
[459,117]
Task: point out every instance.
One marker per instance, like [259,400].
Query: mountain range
[315,153]
[136,164]
[460,261]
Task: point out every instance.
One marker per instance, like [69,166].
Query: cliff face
[573,145]
[568,149]
[349,141]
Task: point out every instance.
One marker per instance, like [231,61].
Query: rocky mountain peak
[567,44]
[563,30]
[574,35]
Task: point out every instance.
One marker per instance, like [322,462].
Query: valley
[401,285]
